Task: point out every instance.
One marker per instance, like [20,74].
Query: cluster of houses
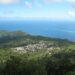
[35,47]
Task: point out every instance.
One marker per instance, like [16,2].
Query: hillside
[25,54]
[19,38]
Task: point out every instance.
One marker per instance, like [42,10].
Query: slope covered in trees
[43,56]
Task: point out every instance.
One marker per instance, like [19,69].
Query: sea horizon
[53,29]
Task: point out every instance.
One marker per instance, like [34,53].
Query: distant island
[25,54]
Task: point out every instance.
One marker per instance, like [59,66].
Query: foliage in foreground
[37,63]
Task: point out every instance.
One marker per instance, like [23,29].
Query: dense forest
[25,54]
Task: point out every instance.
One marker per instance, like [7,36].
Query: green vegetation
[24,54]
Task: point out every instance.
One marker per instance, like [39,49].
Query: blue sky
[37,9]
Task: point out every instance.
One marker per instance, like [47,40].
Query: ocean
[53,29]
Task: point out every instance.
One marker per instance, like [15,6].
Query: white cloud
[71,1]
[9,1]
[28,4]
[53,1]
[71,13]
[7,15]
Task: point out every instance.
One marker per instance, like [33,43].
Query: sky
[37,9]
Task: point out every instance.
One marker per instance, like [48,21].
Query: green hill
[25,54]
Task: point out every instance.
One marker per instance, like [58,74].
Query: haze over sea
[55,29]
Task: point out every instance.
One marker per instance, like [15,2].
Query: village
[35,47]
